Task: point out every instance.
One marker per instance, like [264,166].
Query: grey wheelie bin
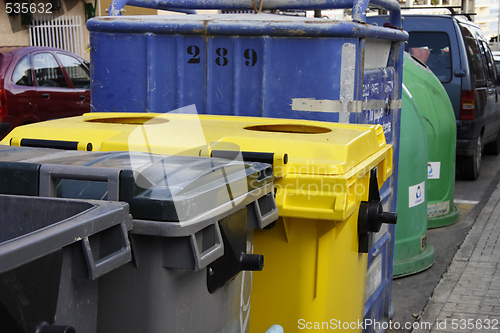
[192,236]
[53,252]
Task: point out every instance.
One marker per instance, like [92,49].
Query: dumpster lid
[312,147]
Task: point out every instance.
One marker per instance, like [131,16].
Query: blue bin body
[260,65]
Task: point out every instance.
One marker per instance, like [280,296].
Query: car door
[21,93]
[54,97]
[79,76]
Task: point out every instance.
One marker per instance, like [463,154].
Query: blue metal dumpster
[261,65]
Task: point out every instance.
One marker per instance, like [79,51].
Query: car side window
[79,75]
[47,71]
[22,73]
[433,49]
[476,58]
[490,64]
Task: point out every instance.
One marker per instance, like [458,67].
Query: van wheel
[493,148]
[468,167]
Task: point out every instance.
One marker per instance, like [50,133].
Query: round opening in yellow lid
[142,120]
[289,128]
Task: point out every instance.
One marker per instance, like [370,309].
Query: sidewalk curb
[442,292]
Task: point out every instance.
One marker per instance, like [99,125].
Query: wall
[12,33]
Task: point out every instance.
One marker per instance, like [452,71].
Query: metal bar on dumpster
[359,6]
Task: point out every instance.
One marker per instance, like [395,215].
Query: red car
[41,83]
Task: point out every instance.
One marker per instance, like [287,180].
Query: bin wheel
[468,167]
[493,148]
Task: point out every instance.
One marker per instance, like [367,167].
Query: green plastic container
[412,253]
[440,126]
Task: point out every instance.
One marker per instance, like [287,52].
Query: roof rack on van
[450,8]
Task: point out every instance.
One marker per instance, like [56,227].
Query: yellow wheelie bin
[327,178]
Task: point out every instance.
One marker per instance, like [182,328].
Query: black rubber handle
[248,156]
[251,262]
[56,144]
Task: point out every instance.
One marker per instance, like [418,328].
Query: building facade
[56,23]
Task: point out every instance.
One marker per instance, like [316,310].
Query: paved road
[411,294]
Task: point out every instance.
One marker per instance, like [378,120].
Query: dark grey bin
[52,254]
[192,237]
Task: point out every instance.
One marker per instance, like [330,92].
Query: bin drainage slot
[195,251]
[264,174]
[266,204]
[207,238]
[106,250]
[263,213]
[371,215]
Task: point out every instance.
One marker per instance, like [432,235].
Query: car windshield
[433,49]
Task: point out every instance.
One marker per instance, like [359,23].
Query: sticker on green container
[433,170]
[417,194]
[438,209]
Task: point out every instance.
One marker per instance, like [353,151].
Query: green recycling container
[412,253]
[440,126]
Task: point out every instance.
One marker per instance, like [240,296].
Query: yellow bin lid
[321,169]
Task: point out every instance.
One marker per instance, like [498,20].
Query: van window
[490,63]
[433,49]
[476,57]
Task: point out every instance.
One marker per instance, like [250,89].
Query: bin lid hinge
[371,215]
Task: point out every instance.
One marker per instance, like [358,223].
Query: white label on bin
[323,105]
[433,170]
[376,53]
[417,194]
